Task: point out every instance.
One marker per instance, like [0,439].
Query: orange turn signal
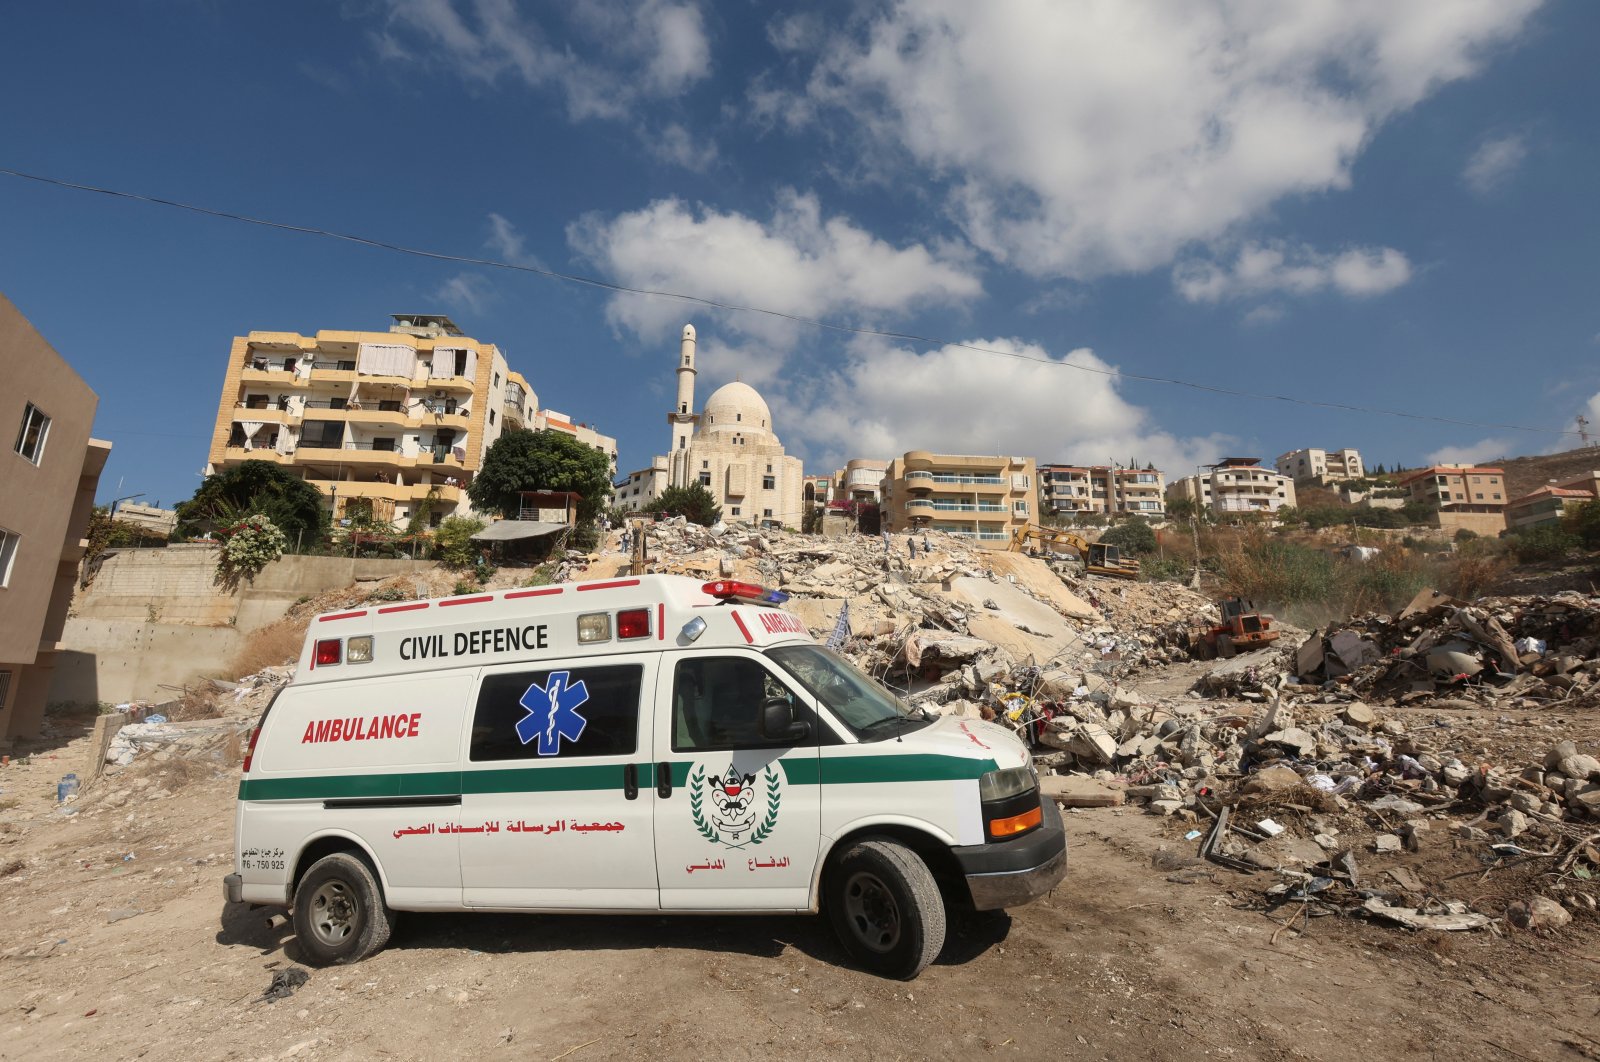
[1016,824]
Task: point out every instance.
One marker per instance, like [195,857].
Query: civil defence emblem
[735,809]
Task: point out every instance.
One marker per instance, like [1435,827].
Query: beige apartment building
[48,478]
[860,481]
[981,498]
[1321,466]
[379,422]
[1236,485]
[1081,490]
[1470,497]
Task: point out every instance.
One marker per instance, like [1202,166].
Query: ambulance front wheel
[339,913]
[886,908]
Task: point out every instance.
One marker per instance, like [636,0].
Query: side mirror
[778,722]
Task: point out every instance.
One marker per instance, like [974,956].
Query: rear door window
[558,713]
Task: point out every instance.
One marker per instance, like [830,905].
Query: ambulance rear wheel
[339,913]
[886,908]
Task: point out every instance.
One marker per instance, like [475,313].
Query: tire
[1225,647]
[339,913]
[886,908]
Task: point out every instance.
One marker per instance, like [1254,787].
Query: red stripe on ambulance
[743,629]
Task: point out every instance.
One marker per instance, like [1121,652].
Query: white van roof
[645,613]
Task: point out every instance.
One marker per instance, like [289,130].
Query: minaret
[683,418]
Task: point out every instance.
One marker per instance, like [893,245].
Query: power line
[573,278]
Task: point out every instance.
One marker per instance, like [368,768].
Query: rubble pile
[955,628]
[1519,652]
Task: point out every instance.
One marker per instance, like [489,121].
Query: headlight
[1013,781]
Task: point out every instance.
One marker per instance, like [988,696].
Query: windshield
[853,698]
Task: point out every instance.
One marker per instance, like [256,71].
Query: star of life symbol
[552,713]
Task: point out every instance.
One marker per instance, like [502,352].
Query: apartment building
[50,473]
[1321,466]
[859,481]
[1472,497]
[1235,485]
[981,498]
[379,422]
[1547,505]
[1080,490]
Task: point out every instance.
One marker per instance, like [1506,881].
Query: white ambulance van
[641,744]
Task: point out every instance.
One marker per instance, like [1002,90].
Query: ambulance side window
[716,704]
[558,714]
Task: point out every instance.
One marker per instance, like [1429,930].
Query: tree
[1582,522]
[1182,508]
[1132,536]
[293,505]
[693,502]
[541,460]
[452,541]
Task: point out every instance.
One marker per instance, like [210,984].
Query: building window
[497,379]
[1497,497]
[705,479]
[768,483]
[8,553]
[5,688]
[705,464]
[35,428]
[734,510]
[769,468]
[1480,495]
[738,416]
[491,416]
[766,512]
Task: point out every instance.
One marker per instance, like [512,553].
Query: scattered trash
[284,983]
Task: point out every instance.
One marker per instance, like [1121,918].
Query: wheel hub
[334,913]
[871,911]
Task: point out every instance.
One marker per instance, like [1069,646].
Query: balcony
[232,455]
[278,377]
[266,415]
[966,480]
[922,504]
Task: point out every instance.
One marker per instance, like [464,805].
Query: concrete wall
[155,617]
[1489,524]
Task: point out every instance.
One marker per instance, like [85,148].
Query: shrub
[1549,542]
[1583,523]
[1465,534]
[1170,569]
[1134,537]
[452,542]
[247,547]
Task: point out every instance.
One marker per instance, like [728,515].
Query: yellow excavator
[1098,557]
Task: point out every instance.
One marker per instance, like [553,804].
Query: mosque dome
[736,407]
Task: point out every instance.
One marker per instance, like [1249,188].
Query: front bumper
[233,888]
[1011,873]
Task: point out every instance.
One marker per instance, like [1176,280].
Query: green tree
[541,460]
[1545,542]
[293,505]
[1132,536]
[452,541]
[1582,522]
[693,502]
[1182,508]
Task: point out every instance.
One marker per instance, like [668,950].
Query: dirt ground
[118,944]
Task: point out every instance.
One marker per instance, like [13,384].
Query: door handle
[663,779]
[630,781]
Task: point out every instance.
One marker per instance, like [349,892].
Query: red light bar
[727,589]
[634,623]
[328,652]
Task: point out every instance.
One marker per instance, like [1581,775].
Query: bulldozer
[1099,558]
[1241,630]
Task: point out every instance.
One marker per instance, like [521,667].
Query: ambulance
[650,744]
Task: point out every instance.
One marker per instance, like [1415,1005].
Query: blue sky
[1350,201]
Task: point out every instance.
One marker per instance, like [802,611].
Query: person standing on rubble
[886,543]
[911,547]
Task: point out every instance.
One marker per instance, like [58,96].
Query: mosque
[729,448]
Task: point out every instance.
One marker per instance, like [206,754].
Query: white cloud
[507,244]
[675,144]
[1086,138]
[796,262]
[464,291]
[1264,269]
[604,57]
[1494,162]
[887,399]
[1263,315]
[1472,453]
